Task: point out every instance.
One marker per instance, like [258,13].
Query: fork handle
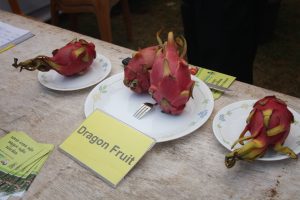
[126,61]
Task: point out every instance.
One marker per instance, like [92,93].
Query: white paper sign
[11,34]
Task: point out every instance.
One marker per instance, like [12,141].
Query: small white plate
[112,97]
[99,69]
[230,121]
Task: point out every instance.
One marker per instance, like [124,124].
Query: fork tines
[141,111]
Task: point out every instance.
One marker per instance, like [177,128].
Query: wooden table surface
[191,167]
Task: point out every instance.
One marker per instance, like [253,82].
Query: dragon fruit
[170,78]
[74,58]
[136,73]
[269,125]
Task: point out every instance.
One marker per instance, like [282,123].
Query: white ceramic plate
[114,98]
[99,69]
[230,121]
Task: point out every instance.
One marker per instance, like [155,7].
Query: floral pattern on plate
[230,121]
[99,70]
[113,97]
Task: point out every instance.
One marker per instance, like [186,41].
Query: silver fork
[143,109]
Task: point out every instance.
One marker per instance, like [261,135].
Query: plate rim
[168,138]
[97,81]
[278,156]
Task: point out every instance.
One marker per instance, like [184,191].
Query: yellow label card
[107,146]
[215,78]
[17,149]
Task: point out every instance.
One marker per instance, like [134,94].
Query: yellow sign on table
[216,78]
[107,146]
[21,159]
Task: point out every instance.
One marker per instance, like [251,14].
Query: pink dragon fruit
[170,78]
[136,73]
[74,58]
[269,124]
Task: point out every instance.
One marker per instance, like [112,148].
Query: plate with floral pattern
[99,70]
[114,98]
[230,121]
